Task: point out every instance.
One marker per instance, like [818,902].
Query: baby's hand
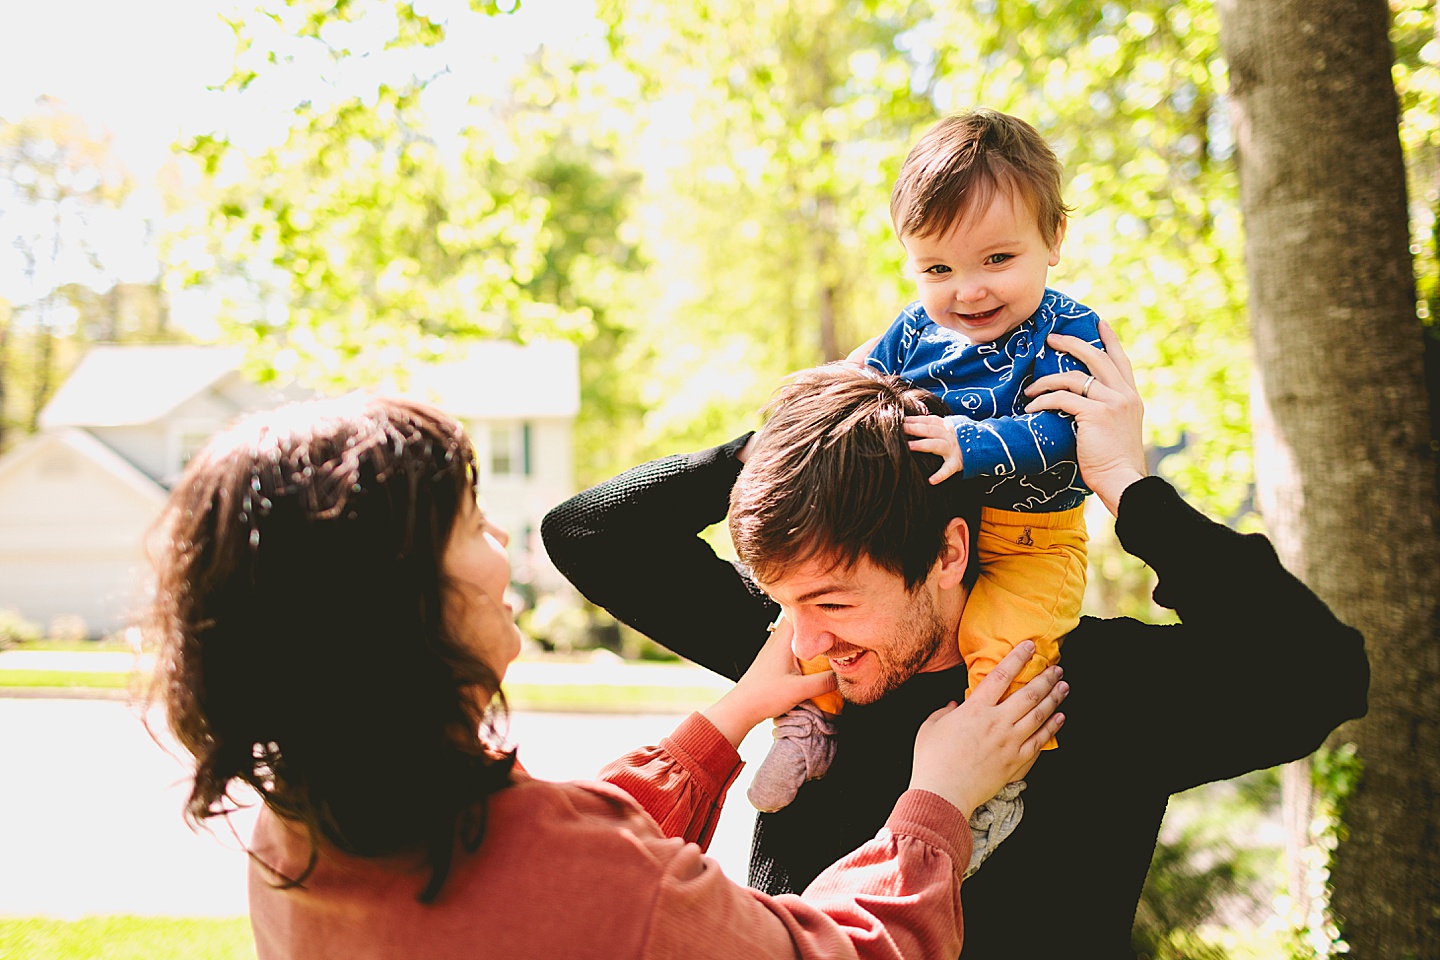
[938,438]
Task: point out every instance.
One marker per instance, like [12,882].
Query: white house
[77,498]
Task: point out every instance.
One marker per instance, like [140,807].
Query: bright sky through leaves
[140,72]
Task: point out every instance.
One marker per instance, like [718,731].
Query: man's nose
[810,639]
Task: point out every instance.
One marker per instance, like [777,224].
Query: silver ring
[1085,390]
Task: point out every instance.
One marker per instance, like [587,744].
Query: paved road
[90,808]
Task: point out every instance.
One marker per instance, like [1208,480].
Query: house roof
[118,385]
[493,378]
[132,384]
[85,445]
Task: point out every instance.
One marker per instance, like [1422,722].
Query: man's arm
[1258,672]
[632,546]
[1268,669]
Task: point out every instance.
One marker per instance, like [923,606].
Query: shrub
[69,628]
[15,629]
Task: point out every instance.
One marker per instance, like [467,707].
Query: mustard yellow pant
[1032,581]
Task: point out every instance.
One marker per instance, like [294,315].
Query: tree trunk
[44,366]
[1344,463]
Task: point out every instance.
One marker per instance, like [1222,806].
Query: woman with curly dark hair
[333,633]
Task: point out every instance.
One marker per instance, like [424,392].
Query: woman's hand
[967,753]
[772,685]
[1107,409]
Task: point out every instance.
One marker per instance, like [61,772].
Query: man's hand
[938,438]
[1109,444]
[772,685]
[967,753]
[860,354]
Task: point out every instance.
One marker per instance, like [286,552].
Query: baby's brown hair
[963,161]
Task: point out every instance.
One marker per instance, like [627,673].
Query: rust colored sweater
[616,869]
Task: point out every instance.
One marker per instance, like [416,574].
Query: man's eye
[832,607]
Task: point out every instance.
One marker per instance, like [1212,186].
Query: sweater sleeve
[632,545]
[1030,443]
[681,783]
[1025,444]
[1258,672]
[898,896]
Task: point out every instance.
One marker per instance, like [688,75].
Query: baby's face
[985,275]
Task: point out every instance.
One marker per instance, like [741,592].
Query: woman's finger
[1032,747]
[1087,353]
[1063,400]
[1078,382]
[1043,710]
[1032,700]
[1116,353]
[993,687]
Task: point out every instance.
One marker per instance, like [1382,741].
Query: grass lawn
[116,644]
[576,697]
[66,678]
[579,697]
[126,938]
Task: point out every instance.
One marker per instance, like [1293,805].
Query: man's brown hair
[832,476]
[963,161]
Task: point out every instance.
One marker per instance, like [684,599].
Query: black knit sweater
[1258,673]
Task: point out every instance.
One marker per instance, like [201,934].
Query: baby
[978,209]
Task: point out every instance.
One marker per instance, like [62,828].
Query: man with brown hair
[838,507]
[978,209]
[1067,881]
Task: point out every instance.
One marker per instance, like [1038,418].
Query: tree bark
[44,369]
[1344,462]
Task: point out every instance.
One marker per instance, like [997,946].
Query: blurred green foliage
[702,202]
[15,629]
[126,938]
[1213,868]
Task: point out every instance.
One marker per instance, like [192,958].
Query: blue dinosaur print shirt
[1031,456]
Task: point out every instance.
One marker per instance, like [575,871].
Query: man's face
[874,633]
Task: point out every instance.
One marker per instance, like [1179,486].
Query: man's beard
[917,639]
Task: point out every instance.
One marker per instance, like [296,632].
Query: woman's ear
[955,558]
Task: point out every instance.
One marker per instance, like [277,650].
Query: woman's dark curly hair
[302,644]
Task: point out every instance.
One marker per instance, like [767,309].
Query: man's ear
[955,557]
